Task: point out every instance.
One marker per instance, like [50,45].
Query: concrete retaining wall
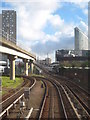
[80,76]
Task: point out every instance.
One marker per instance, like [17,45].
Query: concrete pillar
[12,67]
[26,67]
[31,66]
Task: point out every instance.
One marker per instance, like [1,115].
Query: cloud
[74,1]
[33,17]
[49,47]
[85,11]
[50,55]
[56,21]
[83,26]
[84,6]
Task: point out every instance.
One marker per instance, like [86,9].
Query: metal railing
[8,37]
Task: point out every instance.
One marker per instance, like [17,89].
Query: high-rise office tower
[9,24]
[81,40]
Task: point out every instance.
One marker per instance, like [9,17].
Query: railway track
[76,95]
[66,109]
[84,101]
[12,91]
[81,94]
[81,110]
[72,84]
[62,101]
[52,105]
[10,101]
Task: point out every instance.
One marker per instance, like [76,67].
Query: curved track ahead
[7,102]
[51,102]
[78,105]
[65,107]
[53,105]
[81,94]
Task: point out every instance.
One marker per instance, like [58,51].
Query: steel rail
[61,101]
[43,102]
[85,107]
[60,97]
[14,102]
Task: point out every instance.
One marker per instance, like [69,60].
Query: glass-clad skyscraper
[81,40]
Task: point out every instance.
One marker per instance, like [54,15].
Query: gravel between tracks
[51,109]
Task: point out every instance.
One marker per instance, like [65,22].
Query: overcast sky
[43,27]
